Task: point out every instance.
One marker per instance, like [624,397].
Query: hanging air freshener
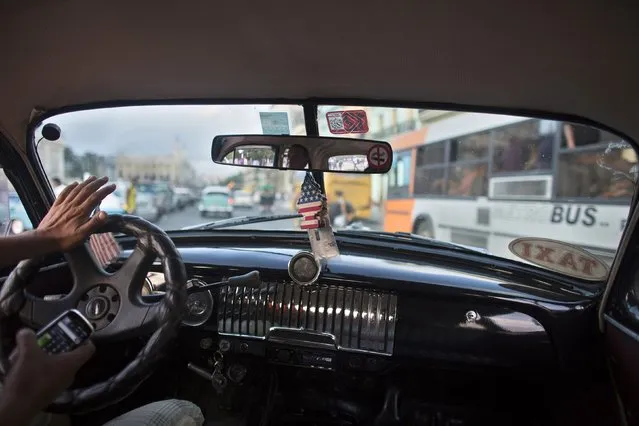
[313,207]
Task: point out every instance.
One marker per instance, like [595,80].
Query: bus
[482,180]
[356,189]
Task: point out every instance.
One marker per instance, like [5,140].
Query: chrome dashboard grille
[359,319]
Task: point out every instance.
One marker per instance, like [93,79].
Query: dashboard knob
[236,373]
[224,345]
[472,316]
[206,343]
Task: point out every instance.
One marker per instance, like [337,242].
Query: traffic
[176,207]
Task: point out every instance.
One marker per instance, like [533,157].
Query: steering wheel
[113,303]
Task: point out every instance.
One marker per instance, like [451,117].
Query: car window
[477,179]
[13,215]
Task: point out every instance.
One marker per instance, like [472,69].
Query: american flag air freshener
[313,207]
[311,203]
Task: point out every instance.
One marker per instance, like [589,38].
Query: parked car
[113,204]
[145,202]
[18,215]
[242,199]
[182,197]
[161,194]
[216,201]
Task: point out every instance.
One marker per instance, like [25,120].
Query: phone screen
[65,333]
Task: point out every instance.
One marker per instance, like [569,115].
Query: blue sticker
[275,123]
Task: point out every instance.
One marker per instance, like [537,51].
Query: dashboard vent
[359,319]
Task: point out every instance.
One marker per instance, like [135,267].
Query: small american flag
[105,248]
[311,202]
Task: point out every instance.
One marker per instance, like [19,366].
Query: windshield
[479,180]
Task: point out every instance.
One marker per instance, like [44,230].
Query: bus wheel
[425,228]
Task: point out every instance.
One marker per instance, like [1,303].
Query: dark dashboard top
[388,270]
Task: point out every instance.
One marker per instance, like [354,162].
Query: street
[191,216]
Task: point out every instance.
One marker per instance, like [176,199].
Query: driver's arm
[36,378]
[66,224]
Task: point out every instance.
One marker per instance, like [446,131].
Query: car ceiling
[567,57]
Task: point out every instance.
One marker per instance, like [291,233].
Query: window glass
[518,188]
[163,151]
[467,180]
[13,215]
[579,136]
[471,147]
[399,175]
[606,171]
[431,154]
[524,146]
[430,181]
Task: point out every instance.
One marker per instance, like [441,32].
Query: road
[191,216]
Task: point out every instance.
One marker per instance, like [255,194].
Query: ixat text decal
[559,256]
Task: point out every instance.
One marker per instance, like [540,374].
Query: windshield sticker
[275,123]
[379,156]
[313,207]
[343,122]
[560,257]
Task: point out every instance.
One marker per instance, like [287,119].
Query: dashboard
[371,311]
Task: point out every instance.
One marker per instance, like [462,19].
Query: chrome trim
[295,259]
[210,301]
[359,319]
[297,337]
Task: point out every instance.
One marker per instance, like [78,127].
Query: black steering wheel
[113,303]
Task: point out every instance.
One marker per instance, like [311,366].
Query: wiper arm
[241,220]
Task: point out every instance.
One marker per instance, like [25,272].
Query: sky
[156,130]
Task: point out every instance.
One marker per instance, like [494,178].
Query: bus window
[524,146]
[472,147]
[431,154]
[468,180]
[429,180]
[399,175]
[594,164]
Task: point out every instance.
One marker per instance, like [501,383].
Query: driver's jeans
[170,412]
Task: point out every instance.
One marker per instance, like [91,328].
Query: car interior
[264,326]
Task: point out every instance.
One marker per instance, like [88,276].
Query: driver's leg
[172,412]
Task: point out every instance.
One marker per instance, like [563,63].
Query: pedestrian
[131,196]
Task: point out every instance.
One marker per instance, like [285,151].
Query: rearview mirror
[313,153]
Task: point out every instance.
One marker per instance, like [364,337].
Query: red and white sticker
[379,156]
[343,122]
[560,257]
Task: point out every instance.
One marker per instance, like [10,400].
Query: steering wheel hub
[97,307]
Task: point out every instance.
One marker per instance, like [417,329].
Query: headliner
[557,56]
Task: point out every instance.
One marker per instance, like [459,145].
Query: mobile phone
[65,333]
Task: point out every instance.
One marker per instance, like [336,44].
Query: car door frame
[619,319]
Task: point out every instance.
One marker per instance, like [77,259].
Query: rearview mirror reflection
[324,154]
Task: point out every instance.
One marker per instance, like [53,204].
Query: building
[52,157]
[173,168]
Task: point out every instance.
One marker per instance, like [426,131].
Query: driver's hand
[36,378]
[68,221]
